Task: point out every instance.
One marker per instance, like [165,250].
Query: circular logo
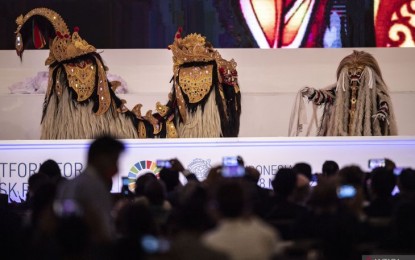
[139,169]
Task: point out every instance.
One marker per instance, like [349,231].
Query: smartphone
[153,245]
[375,163]
[346,192]
[124,188]
[231,167]
[163,164]
[314,180]
[125,181]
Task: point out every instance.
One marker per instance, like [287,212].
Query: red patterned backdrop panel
[395,23]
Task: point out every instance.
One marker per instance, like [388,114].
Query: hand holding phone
[163,164]
[125,190]
[231,167]
[375,163]
[346,192]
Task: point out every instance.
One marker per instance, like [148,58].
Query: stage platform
[269,81]
[22,158]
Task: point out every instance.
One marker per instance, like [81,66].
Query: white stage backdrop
[20,159]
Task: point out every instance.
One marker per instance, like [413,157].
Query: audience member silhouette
[382,183]
[303,168]
[89,190]
[284,212]
[171,180]
[141,182]
[51,169]
[155,193]
[329,169]
[239,234]
[406,184]
[134,223]
[333,226]
[191,219]
[213,219]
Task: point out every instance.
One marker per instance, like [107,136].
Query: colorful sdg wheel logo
[139,169]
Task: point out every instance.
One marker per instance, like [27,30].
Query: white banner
[20,159]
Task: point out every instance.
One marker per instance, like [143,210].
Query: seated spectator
[191,219]
[303,168]
[354,176]
[35,181]
[239,234]
[284,212]
[171,181]
[336,229]
[141,182]
[214,177]
[134,222]
[330,169]
[260,197]
[404,227]
[382,183]
[51,169]
[10,228]
[155,193]
[40,228]
[302,190]
[401,238]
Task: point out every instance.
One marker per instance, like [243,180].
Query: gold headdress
[64,46]
[359,58]
[81,74]
[195,48]
[197,81]
[192,48]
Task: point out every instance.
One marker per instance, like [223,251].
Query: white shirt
[244,239]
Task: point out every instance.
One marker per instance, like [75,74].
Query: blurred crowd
[336,214]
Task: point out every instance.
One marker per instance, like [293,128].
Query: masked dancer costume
[80,102]
[205,100]
[359,103]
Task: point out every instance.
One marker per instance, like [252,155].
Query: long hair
[371,92]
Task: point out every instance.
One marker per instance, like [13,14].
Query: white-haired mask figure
[359,103]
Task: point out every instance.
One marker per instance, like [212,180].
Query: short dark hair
[330,168]
[170,178]
[352,175]
[142,181]
[51,169]
[303,168]
[284,182]
[104,146]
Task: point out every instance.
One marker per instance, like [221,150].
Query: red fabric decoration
[179,33]
[76,29]
[38,39]
[59,34]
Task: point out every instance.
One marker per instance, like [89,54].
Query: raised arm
[319,96]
